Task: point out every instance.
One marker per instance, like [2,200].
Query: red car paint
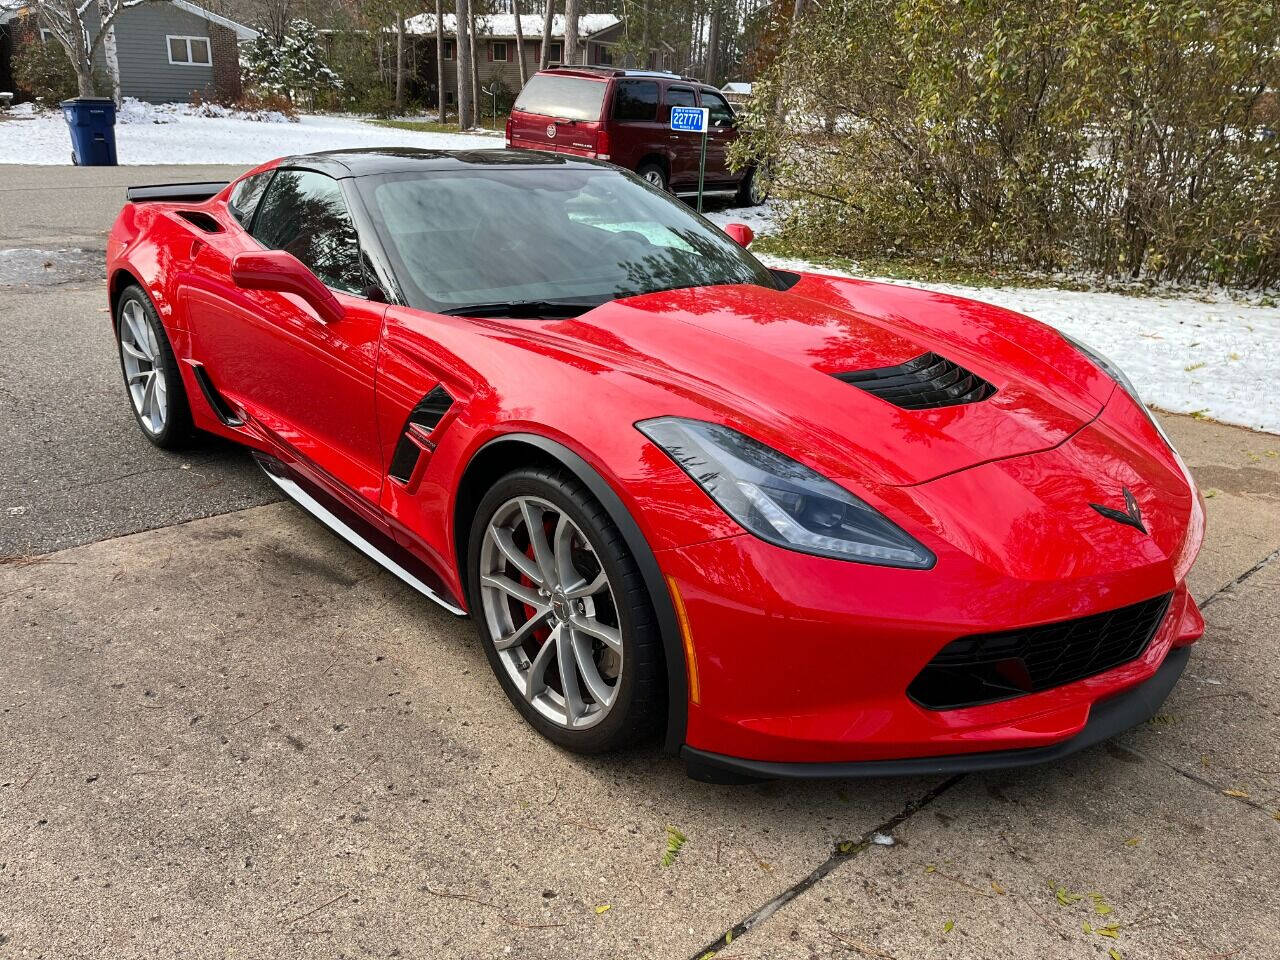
[799,658]
[633,144]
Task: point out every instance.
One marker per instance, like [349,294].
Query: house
[166,50]
[599,42]
[736,93]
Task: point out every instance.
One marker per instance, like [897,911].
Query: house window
[449,97]
[604,55]
[46,35]
[189,51]
[448,49]
[498,51]
[557,52]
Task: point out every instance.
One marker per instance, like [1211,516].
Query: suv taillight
[508,131]
[602,144]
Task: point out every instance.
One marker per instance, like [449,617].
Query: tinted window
[305,214]
[636,100]
[721,114]
[244,198]
[681,97]
[589,235]
[569,98]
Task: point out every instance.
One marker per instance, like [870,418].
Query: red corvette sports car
[800,525]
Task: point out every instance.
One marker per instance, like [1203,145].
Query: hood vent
[925,383]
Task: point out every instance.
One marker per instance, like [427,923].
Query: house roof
[740,88]
[502,26]
[239,29]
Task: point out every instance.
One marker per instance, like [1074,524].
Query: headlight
[780,500]
[1115,373]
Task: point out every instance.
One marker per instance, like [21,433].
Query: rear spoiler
[174,192]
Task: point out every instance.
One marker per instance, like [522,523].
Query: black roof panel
[366,161]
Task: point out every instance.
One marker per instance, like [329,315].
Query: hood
[766,362]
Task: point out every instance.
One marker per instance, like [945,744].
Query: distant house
[599,38]
[167,50]
[736,92]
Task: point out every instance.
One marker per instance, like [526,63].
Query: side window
[681,97]
[305,214]
[244,198]
[636,100]
[721,115]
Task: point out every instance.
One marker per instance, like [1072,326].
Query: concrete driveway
[225,733]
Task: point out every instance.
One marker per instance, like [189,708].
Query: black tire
[748,196]
[654,175]
[636,713]
[177,430]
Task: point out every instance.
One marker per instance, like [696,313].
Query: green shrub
[1122,138]
[43,71]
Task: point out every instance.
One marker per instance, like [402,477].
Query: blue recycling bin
[92,121]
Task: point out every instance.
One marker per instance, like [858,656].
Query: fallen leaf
[1065,897]
[997,888]
[930,868]
[1114,954]
[1133,841]
[675,840]
[1111,930]
[1239,794]
[844,846]
[603,907]
[948,926]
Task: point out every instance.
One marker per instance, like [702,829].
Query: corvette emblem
[551,131]
[1130,516]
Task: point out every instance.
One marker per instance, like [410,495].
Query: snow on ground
[180,133]
[1213,357]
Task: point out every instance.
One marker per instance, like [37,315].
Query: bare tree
[548,18]
[440,59]
[570,31]
[475,63]
[109,53]
[80,27]
[524,76]
[462,54]
[399,62]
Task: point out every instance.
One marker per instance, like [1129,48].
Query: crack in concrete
[1236,581]
[843,851]
[1196,778]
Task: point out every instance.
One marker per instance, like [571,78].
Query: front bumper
[1108,717]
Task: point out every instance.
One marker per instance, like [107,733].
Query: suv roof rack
[621,72]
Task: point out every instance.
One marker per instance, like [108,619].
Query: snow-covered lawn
[178,133]
[1214,357]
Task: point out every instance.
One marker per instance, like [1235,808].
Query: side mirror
[740,233]
[282,272]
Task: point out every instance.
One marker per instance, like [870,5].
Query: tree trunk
[440,60]
[462,55]
[549,15]
[475,66]
[713,46]
[109,52]
[524,77]
[399,64]
[570,31]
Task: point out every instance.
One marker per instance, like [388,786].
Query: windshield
[582,235]
[569,98]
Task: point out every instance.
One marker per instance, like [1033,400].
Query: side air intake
[925,383]
[416,435]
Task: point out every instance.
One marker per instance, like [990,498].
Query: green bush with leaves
[43,71]
[1120,138]
[290,66]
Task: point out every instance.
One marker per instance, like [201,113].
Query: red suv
[623,116]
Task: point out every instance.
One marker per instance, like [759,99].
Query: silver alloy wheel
[756,194]
[549,610]
[140,355]
[653,177]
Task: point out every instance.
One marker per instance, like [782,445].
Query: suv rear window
[569,98]
[636,100]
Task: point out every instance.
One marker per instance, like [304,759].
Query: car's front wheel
[563,613]
[150,371]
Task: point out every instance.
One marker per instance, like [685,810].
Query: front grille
[998,666]
[927,382]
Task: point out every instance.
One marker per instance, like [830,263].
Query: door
[308,384]
[635,132]
[721,134]
[685,148]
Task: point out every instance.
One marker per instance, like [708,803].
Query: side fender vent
[217,402]
[415,438]
[201,220]
[925,383]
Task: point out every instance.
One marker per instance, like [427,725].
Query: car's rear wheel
[150,371]
[752,191]
[563,613]
[653,175]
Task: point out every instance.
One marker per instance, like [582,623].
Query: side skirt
[336,524]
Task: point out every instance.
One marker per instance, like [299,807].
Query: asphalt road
[231,735]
